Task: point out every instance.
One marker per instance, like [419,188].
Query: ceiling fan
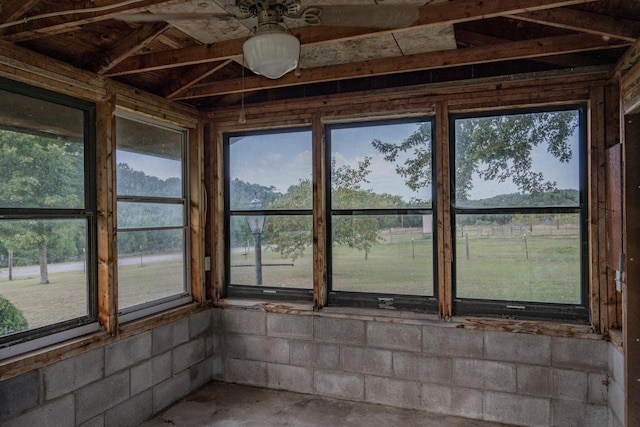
[271,50]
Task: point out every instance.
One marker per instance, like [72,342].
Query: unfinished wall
[122,383]
[616,386]
[516,378]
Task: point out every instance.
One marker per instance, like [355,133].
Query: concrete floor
[233,405]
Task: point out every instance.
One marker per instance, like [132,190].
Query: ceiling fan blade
[154,17]
[379,16]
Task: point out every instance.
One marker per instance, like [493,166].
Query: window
[381,214]
[519,217]
[47,218]
[152,217]
[269,202]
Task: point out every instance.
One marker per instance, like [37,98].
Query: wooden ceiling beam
[586,22]
[193,76]
[472,39]
[451,12]
[130,45]
[70,17]
[525,49]
[11,10]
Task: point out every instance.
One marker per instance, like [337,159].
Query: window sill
[534,327]
[42,357]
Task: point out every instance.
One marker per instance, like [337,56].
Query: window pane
[383,253]
[284,247]
[150,266]
[518,160]
[532,258]
[137,215]
[267,167]
[41,154]
[149,159]
[381,166]
[43,274]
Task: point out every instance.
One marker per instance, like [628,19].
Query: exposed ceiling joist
[11,10]
[69,16]
[586,22]
[448,13]
[130,45]
[432,60]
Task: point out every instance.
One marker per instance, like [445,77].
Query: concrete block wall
[120,384]
[522,379]
[616,386]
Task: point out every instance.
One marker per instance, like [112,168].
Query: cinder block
[387,391]
[453,341]
[550,382]
[598,388]
[292,378]
[169,391]
[339,331]
[217,320]
[290,326]
[99,396]
[248,372]
[59,412]
[462,402]
[217,367]
[266,349]
[187,355]
[485,375]
[568,413]
[316,355]
[241,321]
[200,323]
[367,361]
[339,385]
[576,353]
[169,336]
[616,399]
[516,409]
[127,352]
[133,412]
[394,336]
[234,346]
[427,369]
[520,348]
[71,374]
[18,394]
[615,363]
[201,373]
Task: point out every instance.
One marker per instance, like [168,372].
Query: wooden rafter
[473,39]
[129,45]
[193,76]
[586,22]
[525,49]
[433,15]
[71,22]
[11,10]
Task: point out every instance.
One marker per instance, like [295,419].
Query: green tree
[11,318]
[497,148]
[38,171]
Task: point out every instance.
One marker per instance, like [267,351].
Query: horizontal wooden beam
[586,22]
[448,13]
[525,49]
[193,76]
[69,16]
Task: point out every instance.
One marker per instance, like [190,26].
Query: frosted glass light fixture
[271,52]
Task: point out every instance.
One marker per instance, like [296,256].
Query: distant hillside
[552,198]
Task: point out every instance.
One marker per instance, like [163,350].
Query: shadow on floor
[233,405]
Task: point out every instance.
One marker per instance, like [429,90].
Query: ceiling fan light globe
[272,54]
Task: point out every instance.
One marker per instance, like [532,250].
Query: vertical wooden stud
[106,203]
[443,212]
[217,214]
[320,291]
[195,168]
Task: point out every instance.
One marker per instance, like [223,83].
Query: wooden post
[631,289]
[443,212]
[320,291]
[10,264]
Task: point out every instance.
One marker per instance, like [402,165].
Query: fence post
[466,238]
